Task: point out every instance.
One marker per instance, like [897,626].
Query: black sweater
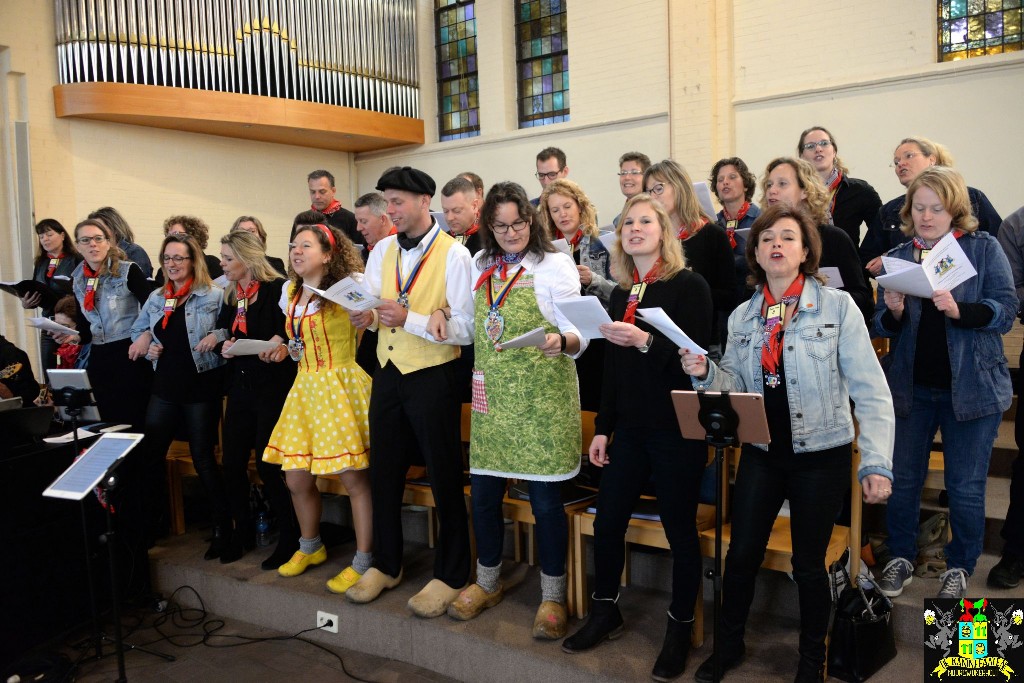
[838,251]
[263,319]
[856,203]
[710,254]
[636,388]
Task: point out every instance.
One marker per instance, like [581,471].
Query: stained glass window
[542,62]
[972,28]
[458,92]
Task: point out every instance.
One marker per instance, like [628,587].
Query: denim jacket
[595,256]
[201,310]
[981,377]
[116,307]
[829,360]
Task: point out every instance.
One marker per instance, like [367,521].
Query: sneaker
[897,574]
[954,584]
[1007,572]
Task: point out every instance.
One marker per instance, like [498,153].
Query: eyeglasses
[86,241]
[808,146]
[656,190]
[630,172]
[549,176]
[905,158]
[518,226]
[177,259]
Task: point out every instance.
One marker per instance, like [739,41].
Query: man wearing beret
[423,275]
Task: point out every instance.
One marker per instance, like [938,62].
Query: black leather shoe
[672,660]
[286,547]
[810,673]
[1007,572]
[605,623]
[729,659]
[219,542]
[240,544]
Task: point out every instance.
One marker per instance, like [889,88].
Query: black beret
[408,179]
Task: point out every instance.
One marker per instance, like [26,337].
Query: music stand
[722,420]
[97,467]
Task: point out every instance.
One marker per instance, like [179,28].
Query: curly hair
[508,192]
[114,255]
[748,178]
[810,238]
[567,188]
[344,257]
[195,228]
[67,245]
[949,185]
[809,181]
[837,163]
[672,258]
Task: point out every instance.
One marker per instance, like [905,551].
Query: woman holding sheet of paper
[805,348]
[946,369]
[55,263]
[256,388]
[177,331]
[323,426]
[641,370]
[526,410]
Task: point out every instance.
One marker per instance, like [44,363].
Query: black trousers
[1013,527]
[418,409]
[249,420]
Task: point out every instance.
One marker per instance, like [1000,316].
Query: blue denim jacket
[981,377]
[201,310]
[595,256]
[829,360]
[116,307]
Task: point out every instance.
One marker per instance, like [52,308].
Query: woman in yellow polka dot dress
[323,425]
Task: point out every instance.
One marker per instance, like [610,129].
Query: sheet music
[945,267]
[658,318]
[349,294]
[48,325]
[251,347]
[585,313]
[533,338]
[832,277]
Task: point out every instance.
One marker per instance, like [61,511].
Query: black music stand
[718,423]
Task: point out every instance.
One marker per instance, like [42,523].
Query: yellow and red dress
[323,426]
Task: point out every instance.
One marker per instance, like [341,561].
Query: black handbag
[862,639]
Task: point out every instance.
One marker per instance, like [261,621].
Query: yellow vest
[407,351]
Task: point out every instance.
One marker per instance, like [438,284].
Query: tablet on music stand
[78,480]
[77,379]
[753,423]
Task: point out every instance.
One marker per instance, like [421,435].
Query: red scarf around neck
[637,292]
[771,352]
[574,242]
[331,208]
[731,223]
[54,262]
[686,232]
[171,299]
[242,297]
[394,231]
[91,282]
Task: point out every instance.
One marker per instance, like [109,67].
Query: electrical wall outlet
[327,622]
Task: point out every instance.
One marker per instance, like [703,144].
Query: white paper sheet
[251,347]
[832,276]
[48,325]
[585,313]
[69,437]
[609,240]
[704,197]
[221,281]
[533,338]
[562,246]
[439,217]
[349,294]
[945,267]
[657,317]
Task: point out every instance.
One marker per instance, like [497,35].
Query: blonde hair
[930,149]
[200,273]
[112,264]
[249,250]
[808,180]
[567,188]
[671,251]
[687,206]
[949,185]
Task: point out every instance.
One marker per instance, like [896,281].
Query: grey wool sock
[552,588]
[487,577]
[362,561]
[310,545]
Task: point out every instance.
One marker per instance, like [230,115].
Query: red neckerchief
[54,262]
[501,262]
[574,242]
[472,229]
[771,352]
[332,208]
[67,355]
[637,292]
[684,231]
[731,223]
[91,281]
[833,188]
[171,299]
[920,244]
[242,297]
[394,231]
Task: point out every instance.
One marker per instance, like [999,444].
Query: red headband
[329,233]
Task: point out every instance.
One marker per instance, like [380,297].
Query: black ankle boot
[241,543]
[674,651]
[809,672]
[287,544]
[605,623]
[730,657]
[219,542]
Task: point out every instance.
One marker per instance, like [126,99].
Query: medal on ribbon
[295,344]
[494,325]
[295,348]
[405,285]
